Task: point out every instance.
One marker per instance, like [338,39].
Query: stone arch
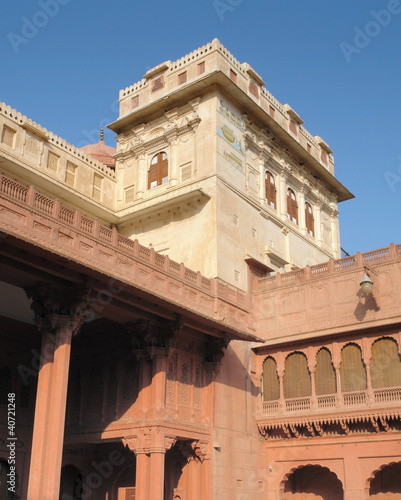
[270,383]
[297,378]
[325,375]
[370,486]
[322,480]
[352,369]
[385,363]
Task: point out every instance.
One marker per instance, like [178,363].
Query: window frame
[269,185]
[292,206]
[309,219]
[158,170]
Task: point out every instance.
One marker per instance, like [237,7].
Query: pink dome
[101,152]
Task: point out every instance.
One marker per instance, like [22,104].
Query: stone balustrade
[26,213]
[390,397]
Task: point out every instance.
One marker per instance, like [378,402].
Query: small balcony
[377,410]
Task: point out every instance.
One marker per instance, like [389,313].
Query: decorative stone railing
[331,267]
[26,213]
[334,403]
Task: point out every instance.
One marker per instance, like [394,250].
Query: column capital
[56,306]
[153,339]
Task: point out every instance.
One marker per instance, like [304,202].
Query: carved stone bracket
[131,443]
[154,339]
[344,426]
[215,352]
[59,306]
[385,424]
[193,450]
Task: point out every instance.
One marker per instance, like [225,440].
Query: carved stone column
[369,390]
[153,344]
[312,370]
[173,174]
[339,394]
[301,211]
[318,223]
[142,176]
[58,315]
[335,243]
[282,200]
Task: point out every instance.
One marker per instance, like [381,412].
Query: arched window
[297,379]
[325,375]
[270,190]
[385,366]
[158,170]
[352,370]
[292,206]
[309,221]
[270,381]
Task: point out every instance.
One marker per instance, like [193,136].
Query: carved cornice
[138,145]
[333,425]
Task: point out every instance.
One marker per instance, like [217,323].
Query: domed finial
[101,134]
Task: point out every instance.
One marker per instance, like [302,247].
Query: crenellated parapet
[31,152]
[205,63]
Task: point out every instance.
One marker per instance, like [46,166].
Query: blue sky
[337,64]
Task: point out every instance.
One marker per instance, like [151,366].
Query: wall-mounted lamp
[366,284]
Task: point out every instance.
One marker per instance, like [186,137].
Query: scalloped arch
[373,475]
[309,464]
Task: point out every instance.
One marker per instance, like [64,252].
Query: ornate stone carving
[215,352]
[131,443]
[57,306]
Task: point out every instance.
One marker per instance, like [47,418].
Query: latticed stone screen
[352,371]
[52,161]
[97,187]
[197,387]
[271,383]
[186,172]
[385,366]
[8,136]
[170,383]
[70,174]
[297,380]
[184,384]
[325,374]
[129,195]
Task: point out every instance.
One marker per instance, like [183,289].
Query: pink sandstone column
[38,439]
[48,429]
[159,358]
[142,476]
[156,487]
